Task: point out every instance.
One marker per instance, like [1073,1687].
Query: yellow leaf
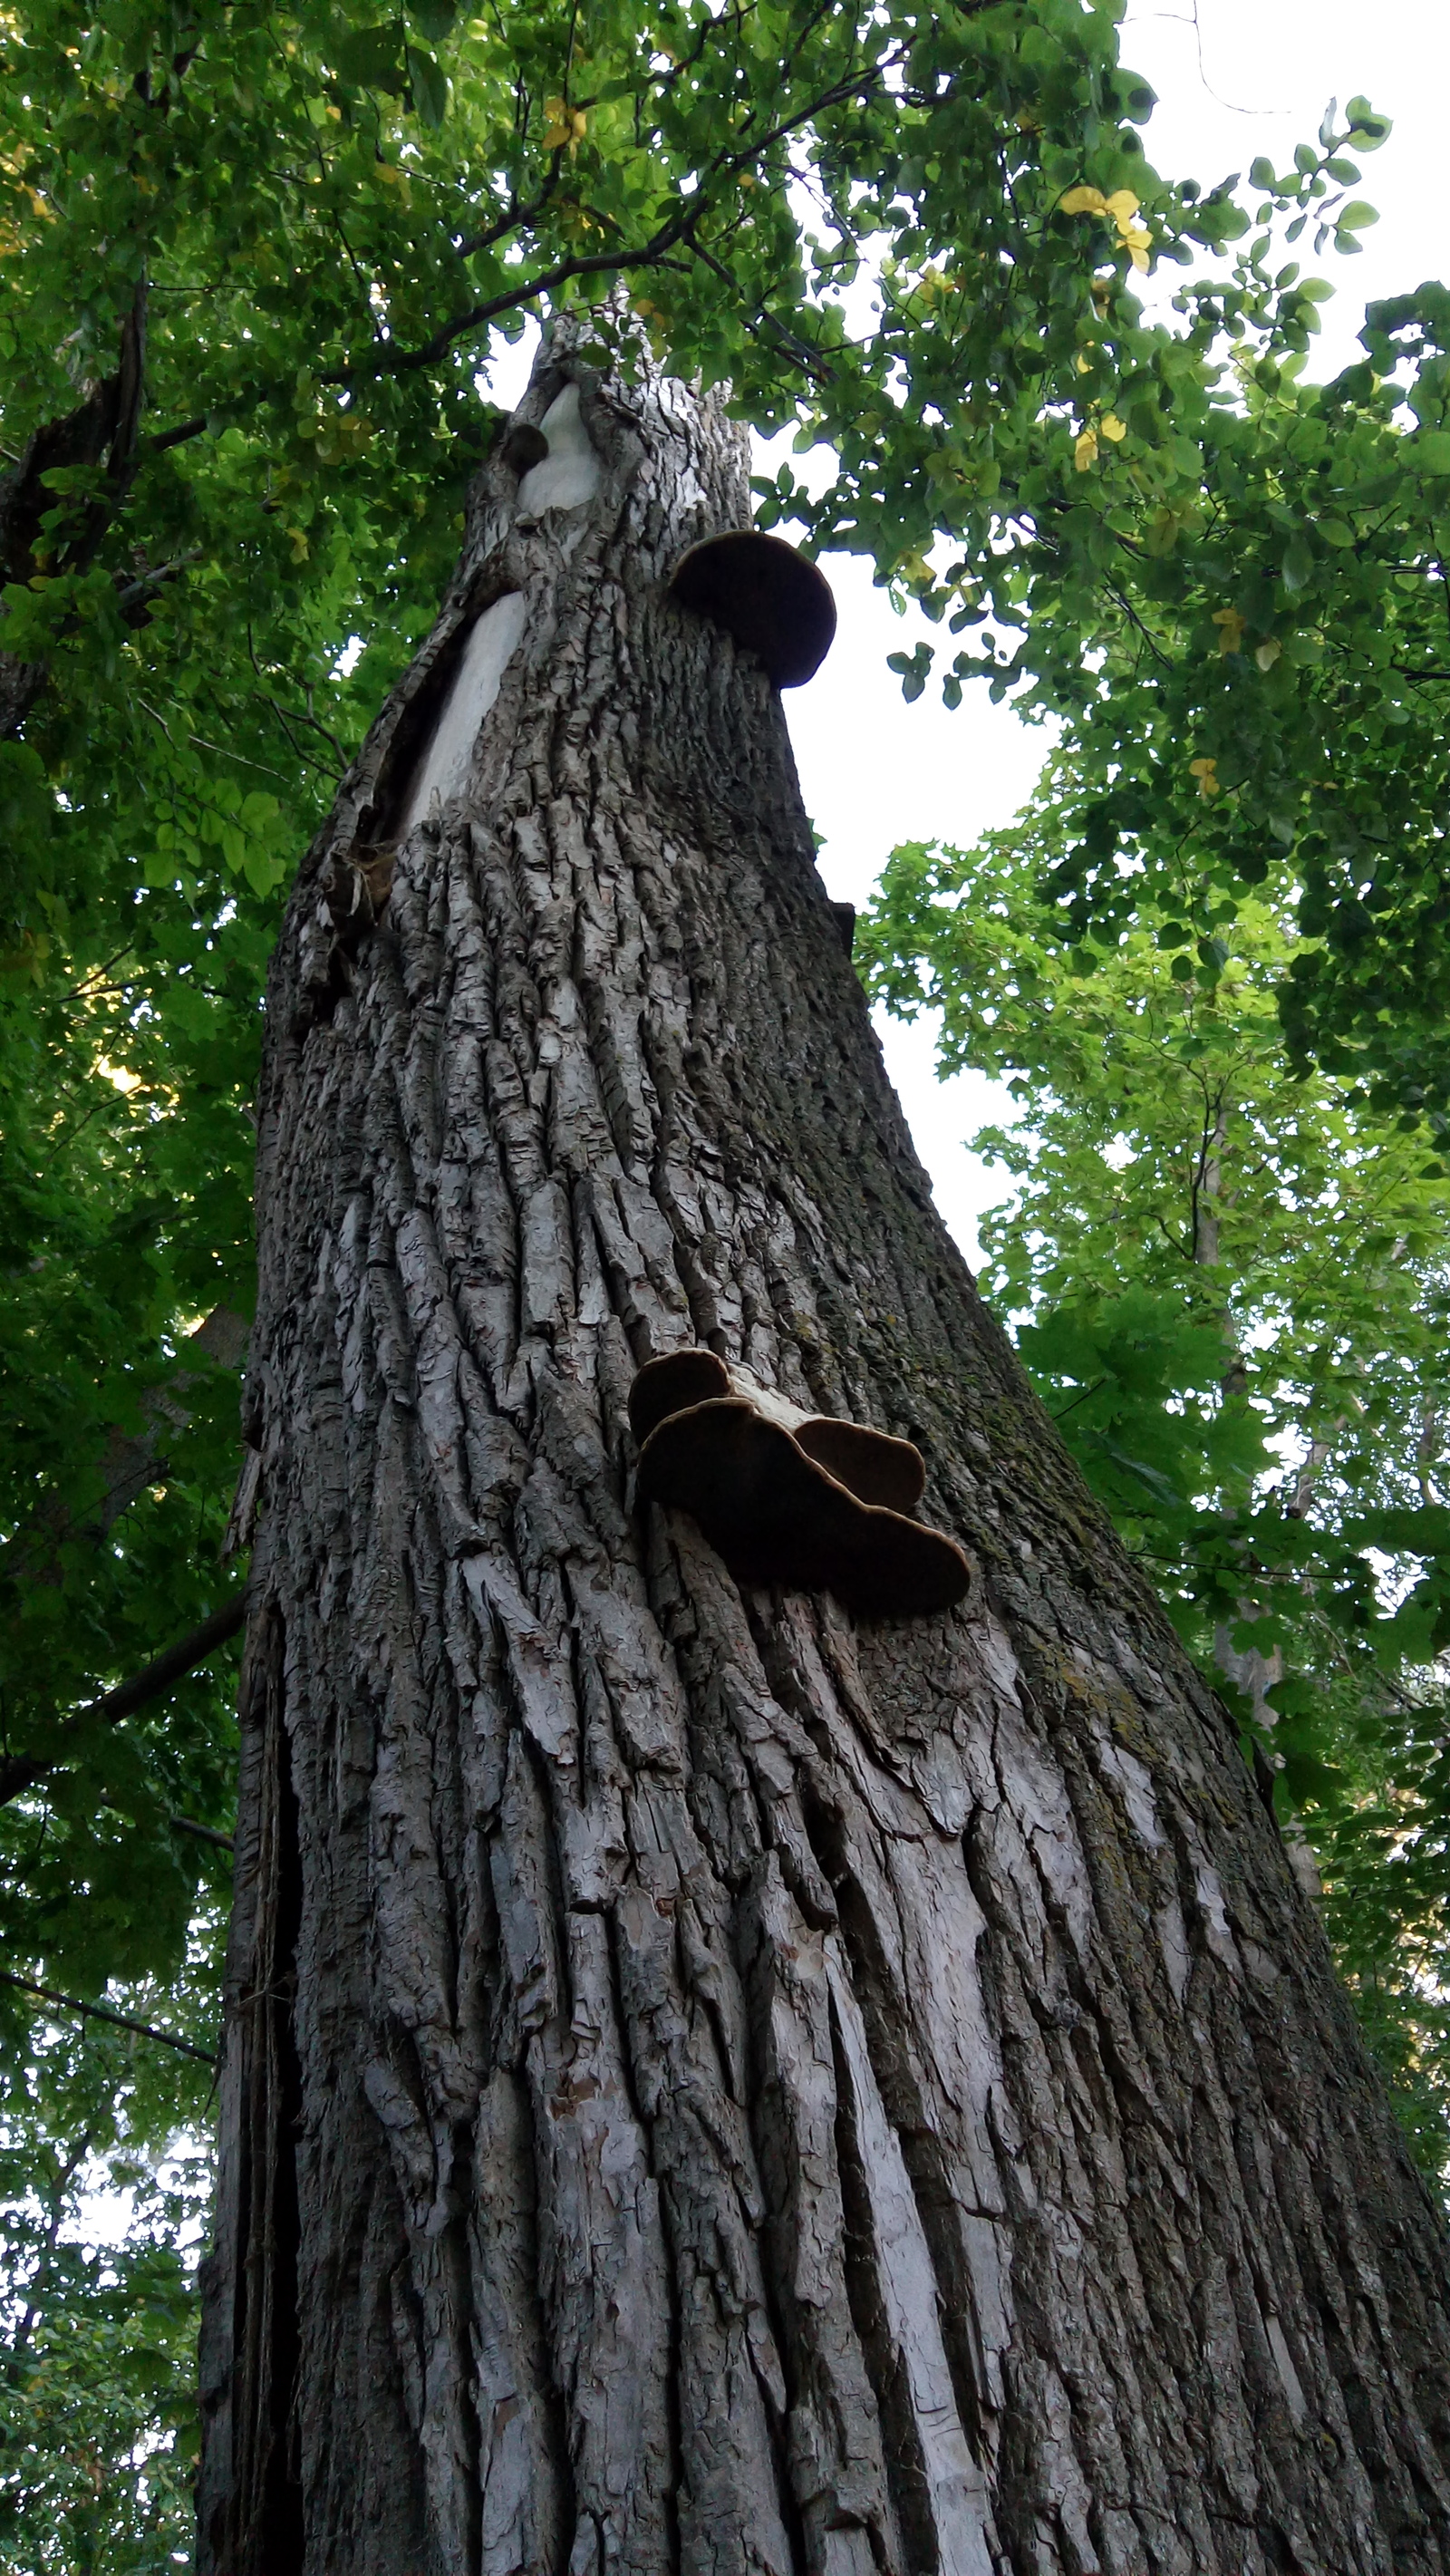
[300,547]
[1267,654]
[1206,773]
[1230,630]
[1084,363]
[1122,206]
[1111,427]
[1085,450]
[564,125]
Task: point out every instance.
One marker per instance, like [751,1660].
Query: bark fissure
[779,2093]
[266,2334]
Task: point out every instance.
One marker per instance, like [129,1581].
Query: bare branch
[202,1833]
[103,2012]
[22,1770]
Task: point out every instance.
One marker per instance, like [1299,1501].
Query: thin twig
[224,751]
[164,438]
[203,1833]
[103,2012]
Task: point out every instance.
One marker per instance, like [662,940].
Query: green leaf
[1367,129]
[429,85]
[1298,564]
[433,18]
[373,57]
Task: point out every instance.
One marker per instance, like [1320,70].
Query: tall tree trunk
[712,2084]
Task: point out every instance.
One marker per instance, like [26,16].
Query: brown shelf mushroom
[774,601]
[789,1497]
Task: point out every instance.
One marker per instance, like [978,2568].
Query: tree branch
[101,433]
[681,227]
[202,1833]
[104,2012]
[21,1770]
[161,439]
[594,264]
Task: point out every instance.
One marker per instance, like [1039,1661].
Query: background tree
[1229,1283]
[97,2397]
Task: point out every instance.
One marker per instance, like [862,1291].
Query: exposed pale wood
[713,2086]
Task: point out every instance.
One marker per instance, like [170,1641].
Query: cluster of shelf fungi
[784,1496]
[788,1497]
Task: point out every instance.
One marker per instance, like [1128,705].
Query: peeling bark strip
[758,2091]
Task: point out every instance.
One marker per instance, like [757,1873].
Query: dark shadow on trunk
[270,2539]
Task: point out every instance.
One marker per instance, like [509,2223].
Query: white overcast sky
[1234,78]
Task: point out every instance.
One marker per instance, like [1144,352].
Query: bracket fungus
[789,1497]
[775,602]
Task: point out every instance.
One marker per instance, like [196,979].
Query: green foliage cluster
[1231,1285]
[1242,607]
[1287,665]
[98,2414]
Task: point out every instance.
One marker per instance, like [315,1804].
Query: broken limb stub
[791,1498]
[524,446]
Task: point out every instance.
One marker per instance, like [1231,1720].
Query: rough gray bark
[712,2086]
